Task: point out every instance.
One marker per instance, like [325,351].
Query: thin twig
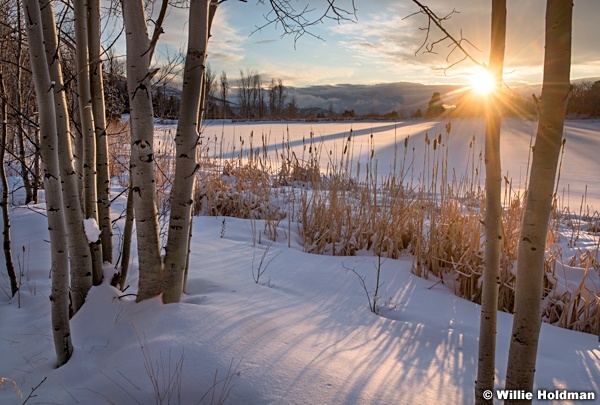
[456,43]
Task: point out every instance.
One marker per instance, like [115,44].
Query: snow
[92,231]
[302,335]
[517,133]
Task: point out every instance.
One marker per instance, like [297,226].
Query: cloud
[381,45]
[265,41]
[393,36]
[226,42]
[388,38]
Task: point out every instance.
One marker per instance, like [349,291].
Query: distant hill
[403,97]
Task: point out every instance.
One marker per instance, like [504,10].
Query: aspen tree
[142,151]
[59,295]
[29,197]
[486,368]
[79,252]
[99,112]
[90,199]
[10,267]
[532,240]
[186,141]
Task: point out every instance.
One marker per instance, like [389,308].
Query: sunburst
[482,82]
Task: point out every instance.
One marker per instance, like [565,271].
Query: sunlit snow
[304,333]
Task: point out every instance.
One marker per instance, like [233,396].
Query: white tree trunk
[59,296]
[127,232]
[98,107]
[77,138]
[532,241]
[186,141]
[79,251]
[486,368]
[142,152]
[90,198]
[29,197]
[10,267]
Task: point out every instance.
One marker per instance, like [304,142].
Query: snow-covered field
[304,333]
[579,168]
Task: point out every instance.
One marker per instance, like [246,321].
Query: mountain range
[402,97]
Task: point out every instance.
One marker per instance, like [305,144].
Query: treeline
[250,98]
[584,100]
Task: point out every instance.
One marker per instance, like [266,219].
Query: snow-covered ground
[304,333]
[579,169]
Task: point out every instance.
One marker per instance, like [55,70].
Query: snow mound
[91,230]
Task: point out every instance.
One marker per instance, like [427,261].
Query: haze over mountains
[364,99]
[403,97]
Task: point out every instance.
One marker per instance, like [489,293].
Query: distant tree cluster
[584,100]
[257,101]
[115,86]
[435,107]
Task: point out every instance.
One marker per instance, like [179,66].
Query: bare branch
[298,22]
[456,44]
[158,29]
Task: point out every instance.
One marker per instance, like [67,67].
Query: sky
[379,46]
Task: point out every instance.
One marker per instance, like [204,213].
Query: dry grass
[346,208]
[119,142]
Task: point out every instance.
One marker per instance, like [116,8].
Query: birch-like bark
[90,198]
[486,368]
[10,266]
[59,296]
[77,138]
[186,141]
[212,10]
[20,131]
[36,166]
[142,152]
[532,240]
[79,251]
[98,107]
[127,232]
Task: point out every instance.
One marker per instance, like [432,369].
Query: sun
[482,82]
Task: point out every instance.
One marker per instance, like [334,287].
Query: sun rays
[482,82]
